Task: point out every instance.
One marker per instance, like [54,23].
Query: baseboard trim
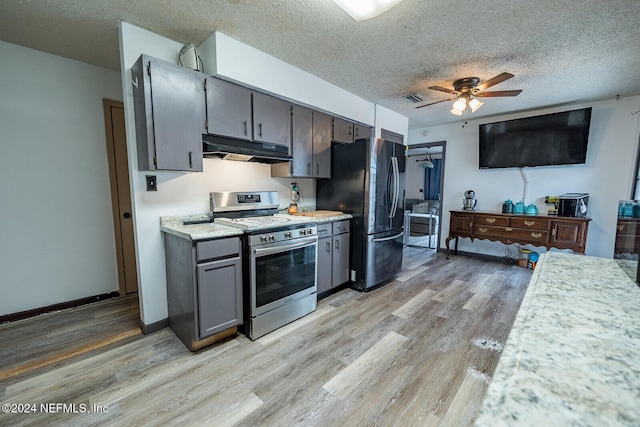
[56,307]
[153,327]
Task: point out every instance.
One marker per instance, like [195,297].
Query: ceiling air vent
[414,97]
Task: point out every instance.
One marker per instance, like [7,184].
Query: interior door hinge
[155,160]
[149,69]
[204,85]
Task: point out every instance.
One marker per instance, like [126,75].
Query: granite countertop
[211,230]
[194,232]
[329,218]
[573,354]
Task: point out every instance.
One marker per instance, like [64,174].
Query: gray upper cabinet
[342,131]
[321,145]
[228,109]
[361,131]
[169,110]
[302,143]
[271,120]
[311,146]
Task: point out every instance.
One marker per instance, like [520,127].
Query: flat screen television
[550,139]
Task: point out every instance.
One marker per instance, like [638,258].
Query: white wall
[188,193]
[227,58]
[607,175]
[391,121]
[57,238]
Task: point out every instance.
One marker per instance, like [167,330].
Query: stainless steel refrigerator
[367,181]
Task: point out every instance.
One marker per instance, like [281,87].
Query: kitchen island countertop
[194,232]
[573,353]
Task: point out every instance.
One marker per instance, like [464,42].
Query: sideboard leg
[456,247]
[448,249]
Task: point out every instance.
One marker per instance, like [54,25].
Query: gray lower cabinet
[169,105]
[333,255]
[204,288]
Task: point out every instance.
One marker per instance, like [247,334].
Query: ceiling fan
[468,89]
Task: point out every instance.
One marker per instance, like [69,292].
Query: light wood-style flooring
[417,351]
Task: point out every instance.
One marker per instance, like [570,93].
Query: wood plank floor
[417,351]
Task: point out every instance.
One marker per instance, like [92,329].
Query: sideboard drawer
[529,236]
[529,223]
[491,220]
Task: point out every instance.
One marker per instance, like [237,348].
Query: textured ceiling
[559,51]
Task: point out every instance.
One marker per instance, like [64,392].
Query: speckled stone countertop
[175,225]
[329,218]
[573,355]
[194,232]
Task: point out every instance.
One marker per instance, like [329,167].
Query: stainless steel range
[281,273]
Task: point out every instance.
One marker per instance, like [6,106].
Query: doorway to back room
[424,186]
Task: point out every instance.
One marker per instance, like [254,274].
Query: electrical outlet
[152,184]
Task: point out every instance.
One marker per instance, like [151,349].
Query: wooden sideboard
[537,230]
[627,236]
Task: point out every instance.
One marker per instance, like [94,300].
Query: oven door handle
[300,243]
[384,239]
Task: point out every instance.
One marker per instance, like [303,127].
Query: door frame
[442,144]
[107,105]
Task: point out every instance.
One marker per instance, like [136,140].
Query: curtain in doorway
[432,180]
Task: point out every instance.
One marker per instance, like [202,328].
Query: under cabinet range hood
[247,151]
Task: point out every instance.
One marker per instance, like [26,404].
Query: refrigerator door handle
[391,187]
[396,186]
[384,239]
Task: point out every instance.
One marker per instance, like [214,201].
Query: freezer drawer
[383,257]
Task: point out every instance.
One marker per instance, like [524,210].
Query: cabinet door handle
[317,168]
[482,229]
[508,229]
[620,227]
[309,169]
[260,130]
[491,220]
[190,159]
[245,127]
[328,246]
[529,223]
[337,245]
[350,130]
[536,235]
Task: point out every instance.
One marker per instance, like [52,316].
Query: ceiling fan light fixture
[456,112]
[474,104]
[460,105]
[361,10]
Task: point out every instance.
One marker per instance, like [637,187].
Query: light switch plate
[152,184]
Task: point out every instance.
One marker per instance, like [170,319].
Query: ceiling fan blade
[437,102]
[498,93]
[494,81]
[443,89]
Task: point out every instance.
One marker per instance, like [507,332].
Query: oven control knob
[287,234]
[309,231]
[272,237]
[303,232]
[263,238]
